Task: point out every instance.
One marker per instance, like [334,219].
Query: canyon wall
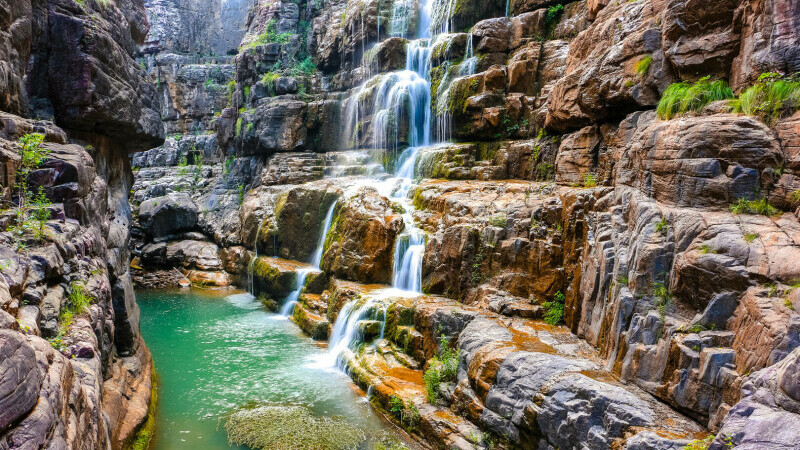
[74,371]
[554,178]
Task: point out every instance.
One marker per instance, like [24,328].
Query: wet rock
[360,243]
[274,277]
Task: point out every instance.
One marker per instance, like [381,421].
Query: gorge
[536,224]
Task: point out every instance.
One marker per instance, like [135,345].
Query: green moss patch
[278,427]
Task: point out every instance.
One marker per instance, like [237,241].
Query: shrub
[589,180]
[269,36]
[448,359]
[663,298]
[771,98]
[553,14]
[77,302]
[396,405]
[758,206]
[662,226]
[554,310]
[304,67]
[432,379]
[684,97]
[268,79]
[643,65]
[499,220]
[441,368]
[32,211]
[228,165]
[794,197]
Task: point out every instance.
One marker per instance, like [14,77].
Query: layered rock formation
[554,181]
[74,370]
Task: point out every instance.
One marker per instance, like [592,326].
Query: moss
[460,91]
[643,65]
[280,204]
[488,150]
[264,270]
[269,303]
[418,200]
[334,234]
[278,427]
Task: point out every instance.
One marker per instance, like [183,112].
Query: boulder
[201,255]
[168,215]
[360,243]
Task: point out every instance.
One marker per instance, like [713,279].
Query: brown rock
[770,40]
[360,243]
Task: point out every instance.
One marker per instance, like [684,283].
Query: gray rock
[768,415]
[20,379]
[170,214]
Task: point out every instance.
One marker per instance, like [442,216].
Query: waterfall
[291,300]
[401,11]
[408,254]
[316,258]
[395,94]
[347,335]
[409,247]
[470,62]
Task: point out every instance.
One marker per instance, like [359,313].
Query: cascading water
[470,62]
[316,258]
[406,91]
[291,300]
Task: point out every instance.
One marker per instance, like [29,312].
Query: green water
[214,351]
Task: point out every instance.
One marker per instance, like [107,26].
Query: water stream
[217,350]
[316,258]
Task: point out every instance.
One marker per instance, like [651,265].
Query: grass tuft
[684,97]
[770,99]
[643,66]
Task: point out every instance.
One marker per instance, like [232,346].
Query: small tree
[32,211]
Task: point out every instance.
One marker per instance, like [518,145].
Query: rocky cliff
[74,371]
[626,170]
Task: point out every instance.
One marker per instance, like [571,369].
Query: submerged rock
[289,427]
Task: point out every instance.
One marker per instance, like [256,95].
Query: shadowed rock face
[90,384]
